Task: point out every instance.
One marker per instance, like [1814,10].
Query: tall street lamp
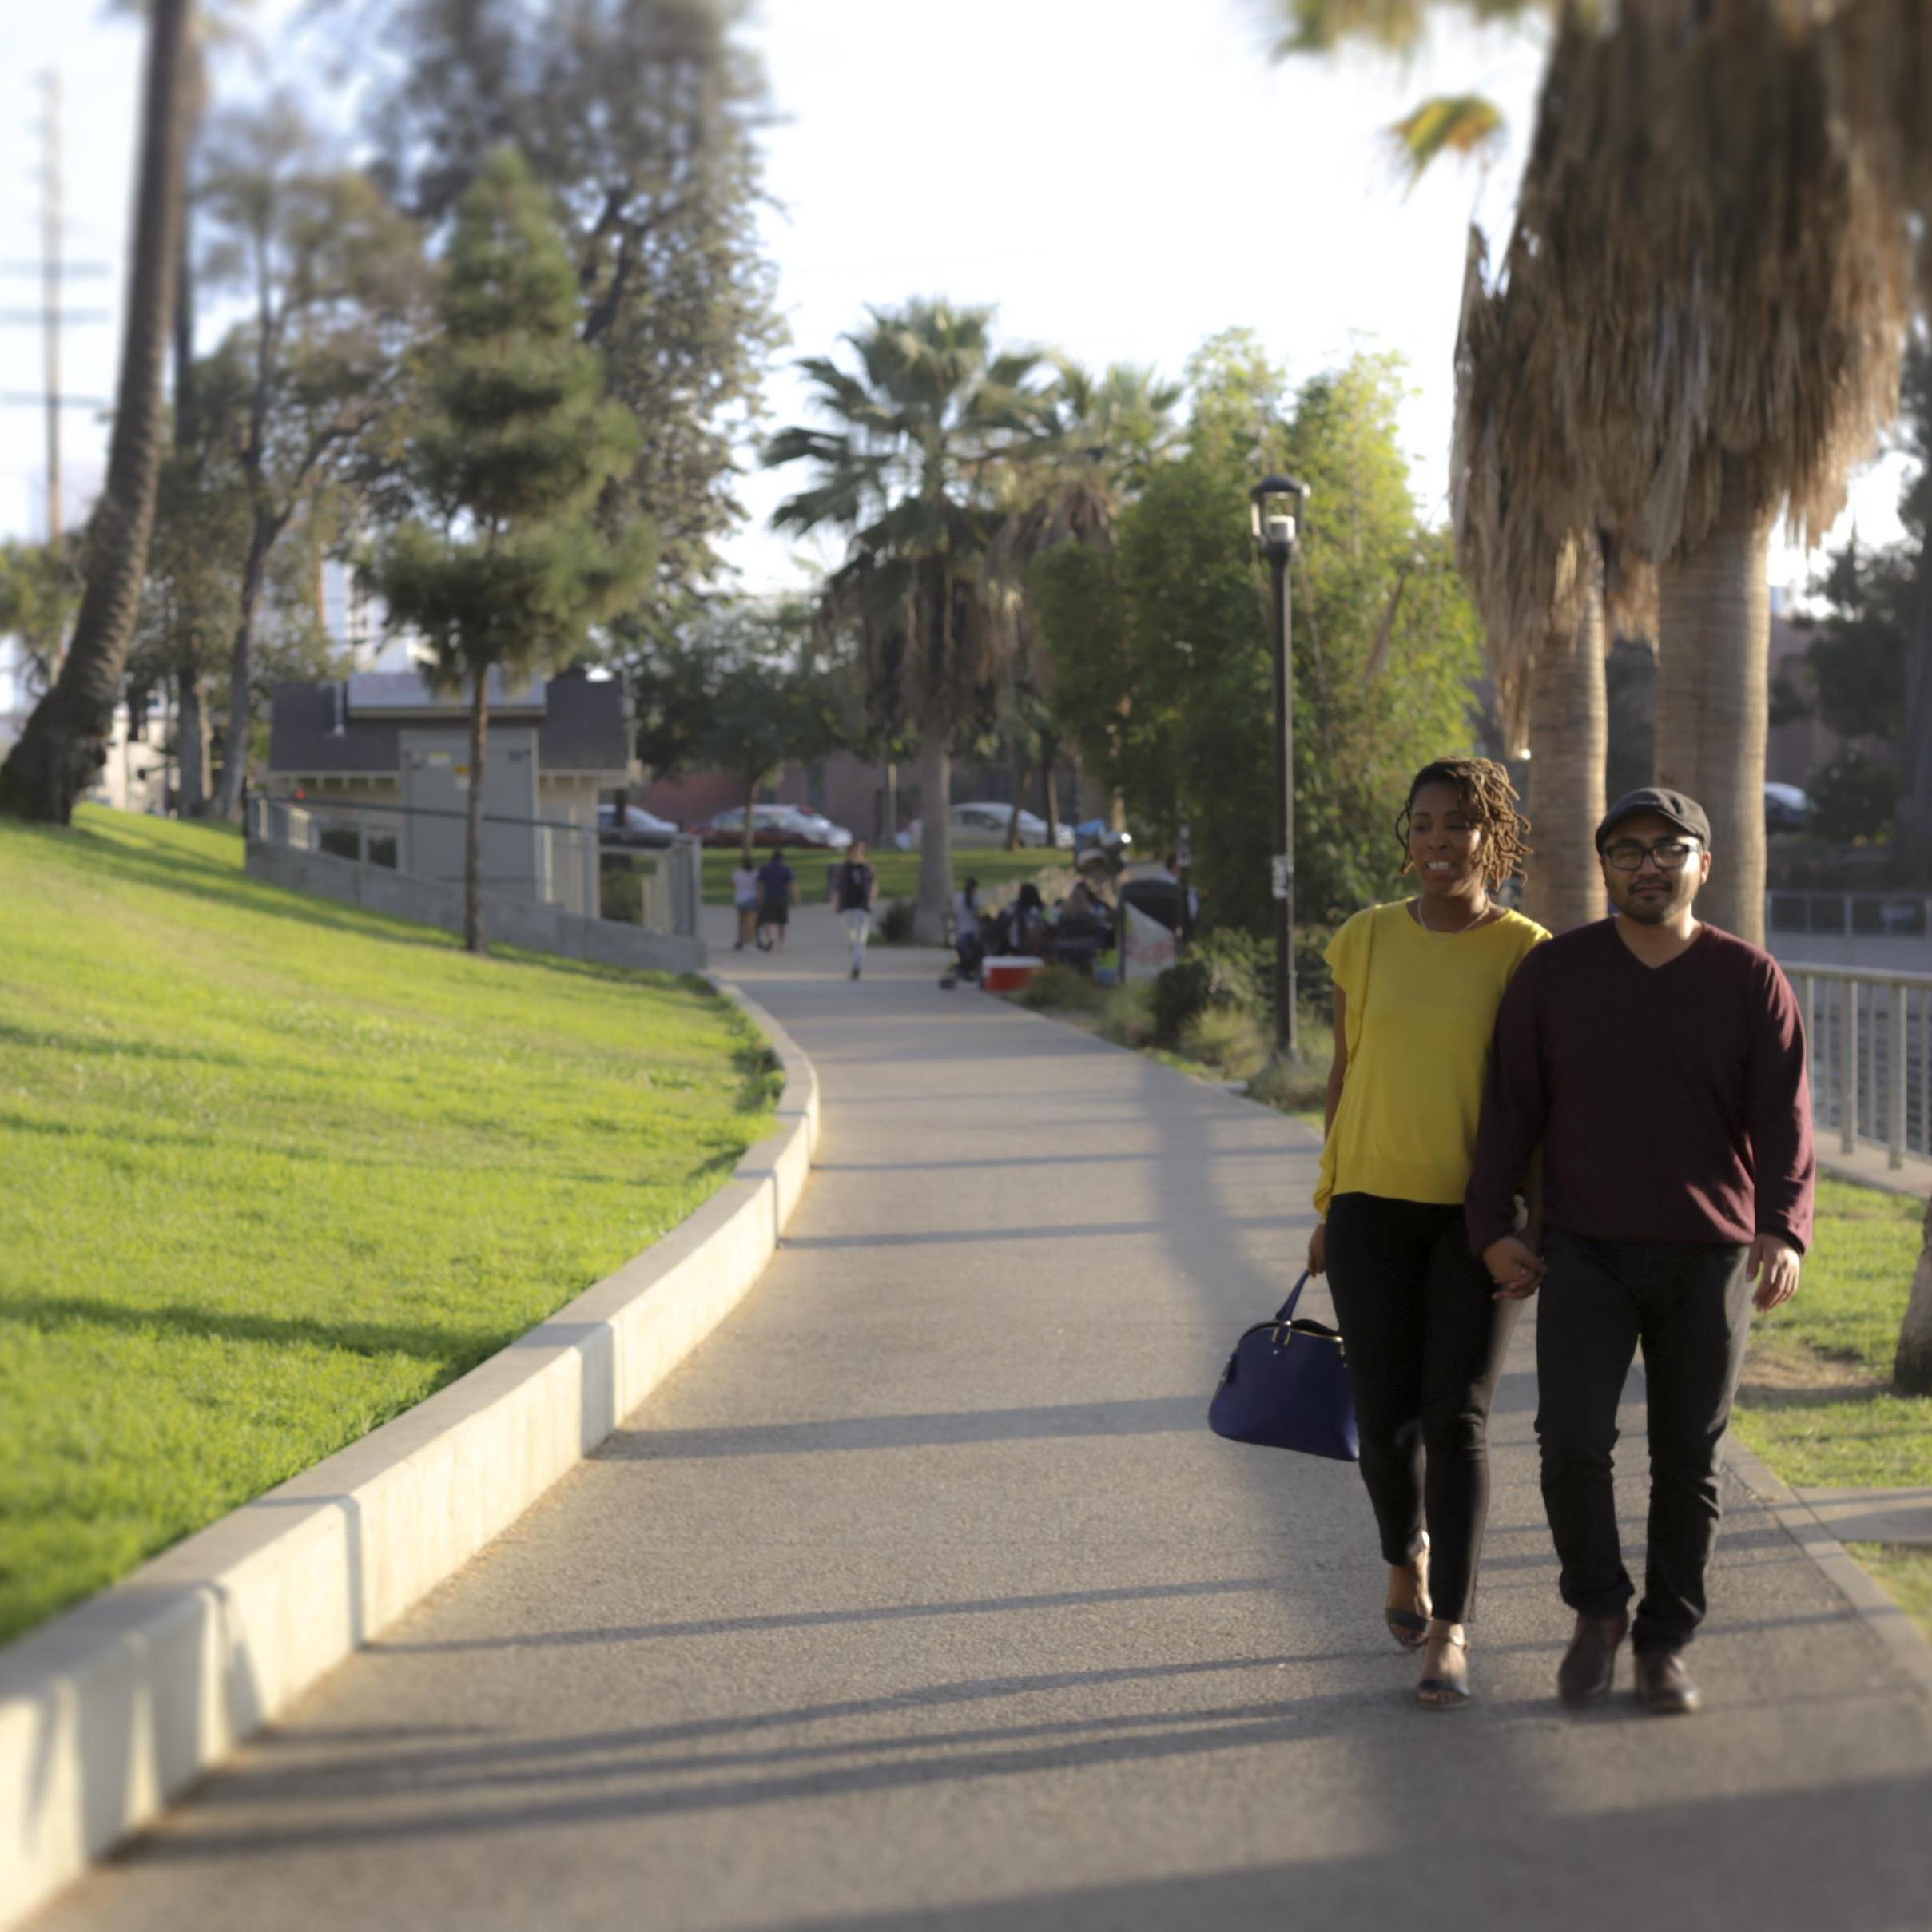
[1278,503]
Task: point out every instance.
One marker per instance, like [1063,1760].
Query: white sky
[1122,177]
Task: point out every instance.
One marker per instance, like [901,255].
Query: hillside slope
[274,1170]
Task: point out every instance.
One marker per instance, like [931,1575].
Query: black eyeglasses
[1671,855]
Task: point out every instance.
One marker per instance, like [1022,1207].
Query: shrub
[1060,986]
[620,895]
[1226,1039]
[1225,969]
[893,926]
[1126,1015]
[1853,796]
[1298,1089]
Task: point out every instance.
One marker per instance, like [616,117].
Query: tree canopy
[1162,672]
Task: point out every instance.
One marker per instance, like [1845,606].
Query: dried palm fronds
[1518,503]
[1724,255]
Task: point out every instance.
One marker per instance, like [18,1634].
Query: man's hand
[1515,1267]
[1773,1265]
[1318,1249]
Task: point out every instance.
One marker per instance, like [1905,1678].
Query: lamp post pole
[1277,502]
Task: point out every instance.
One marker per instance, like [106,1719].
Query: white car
[985,822]
[639,828]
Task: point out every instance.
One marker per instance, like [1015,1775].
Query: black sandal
[1446,1693]
[1410,1627]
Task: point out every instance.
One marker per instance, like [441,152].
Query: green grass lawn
[1907,1572]
[276,1169]
[1816,1403]
[898,871]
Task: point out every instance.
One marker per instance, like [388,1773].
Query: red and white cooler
[1008,971]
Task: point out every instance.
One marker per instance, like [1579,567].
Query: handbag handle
[1286,1312]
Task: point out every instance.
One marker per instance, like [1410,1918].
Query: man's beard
[1659,909]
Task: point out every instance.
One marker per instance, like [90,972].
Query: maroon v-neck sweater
[1670,1102]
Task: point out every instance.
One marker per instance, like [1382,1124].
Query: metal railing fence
[1869,1034]
[1863,915]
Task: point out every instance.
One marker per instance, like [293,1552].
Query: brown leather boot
[1664,1685]
[1588,1668]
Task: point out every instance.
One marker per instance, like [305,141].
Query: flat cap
[1684,812]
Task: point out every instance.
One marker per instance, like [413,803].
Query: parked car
[774,825]
[985,822]
[640,829]
[815,828]
[770,825]
[1787,809]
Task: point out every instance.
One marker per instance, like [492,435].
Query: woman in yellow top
[1416,987]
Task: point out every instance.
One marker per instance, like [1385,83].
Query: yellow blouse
[1420,1007]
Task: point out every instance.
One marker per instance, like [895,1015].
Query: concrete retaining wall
[508,921]
[113,1708]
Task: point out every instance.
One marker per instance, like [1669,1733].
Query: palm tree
[1713,229]
[1726,271]
[1532,564]
[65,739]
[1071,488]
[907,469]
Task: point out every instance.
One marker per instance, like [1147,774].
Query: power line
[53,272]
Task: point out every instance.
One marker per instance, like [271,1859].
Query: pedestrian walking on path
[744,902]
[777,884]
[1416,987]
[854,886]
[1659,1063]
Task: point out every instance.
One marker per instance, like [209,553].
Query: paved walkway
[922,1599]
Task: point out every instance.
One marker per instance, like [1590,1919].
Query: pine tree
[507,565]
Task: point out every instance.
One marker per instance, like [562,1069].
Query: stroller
[969,949]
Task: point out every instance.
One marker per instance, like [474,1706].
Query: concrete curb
[1903,1641]
[114,1708]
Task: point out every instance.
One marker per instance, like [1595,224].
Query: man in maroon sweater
[1659,1066]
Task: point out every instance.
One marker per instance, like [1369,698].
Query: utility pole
[50,297]
[53,272]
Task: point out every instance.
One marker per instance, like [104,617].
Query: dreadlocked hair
[1489,800]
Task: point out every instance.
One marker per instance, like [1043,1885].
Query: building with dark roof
[380,739]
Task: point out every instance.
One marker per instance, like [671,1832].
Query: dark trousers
[1689,1305]
[1424,1336]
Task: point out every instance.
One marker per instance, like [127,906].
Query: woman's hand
[1515,1267]
[1318,1249]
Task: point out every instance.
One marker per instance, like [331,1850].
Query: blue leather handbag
[1287,1386]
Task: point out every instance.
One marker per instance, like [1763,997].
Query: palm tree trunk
[1012,823]
[64,743]
[191,735]
[1050,793]
[890,830]
[1912,1365]
[751,800]
[1568,738]
[472,855]
[1713,703]
[936,826]
[241,673]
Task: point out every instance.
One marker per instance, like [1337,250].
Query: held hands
[1318,1249]
[1773,1265]
[1515,1267]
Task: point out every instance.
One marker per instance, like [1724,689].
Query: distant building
[380,739]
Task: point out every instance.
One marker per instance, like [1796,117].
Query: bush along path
[277,1170]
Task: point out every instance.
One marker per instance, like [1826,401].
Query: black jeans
[1425,1336]
[1690,1306]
